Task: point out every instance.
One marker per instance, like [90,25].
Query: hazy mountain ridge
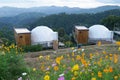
[68,21]
[12,11]
[22,18]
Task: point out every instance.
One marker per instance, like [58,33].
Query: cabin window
[21,36]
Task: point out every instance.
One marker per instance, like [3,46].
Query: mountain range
[13,11]
[53,16]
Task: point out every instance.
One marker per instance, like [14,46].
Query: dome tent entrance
[100,32]
[43,35]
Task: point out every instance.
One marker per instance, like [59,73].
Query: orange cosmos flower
[110,69]
[118,43]
[106,70]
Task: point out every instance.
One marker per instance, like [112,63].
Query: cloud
[109,1]
[69,3]
[13,1]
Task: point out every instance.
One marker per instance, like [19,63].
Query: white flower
[61,75]
[74,50]
[20,78]
[54,64]
[82,50]
[24,74]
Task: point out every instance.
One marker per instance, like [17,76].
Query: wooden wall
[23,39]
[81,36]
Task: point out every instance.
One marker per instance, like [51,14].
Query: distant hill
[68,21]
[5,25]
[21,19]
[12,11]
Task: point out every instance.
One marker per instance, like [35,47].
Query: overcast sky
[69,3]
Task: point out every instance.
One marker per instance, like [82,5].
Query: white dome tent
[100,32]
[43,35]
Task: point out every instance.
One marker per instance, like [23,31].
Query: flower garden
[101,62]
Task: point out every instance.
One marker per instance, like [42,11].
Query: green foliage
[112,22]
[32,48]
[6,35]
[68,21]
[69,44]
[12,64]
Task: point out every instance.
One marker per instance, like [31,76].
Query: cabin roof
[21,30]
[81,28]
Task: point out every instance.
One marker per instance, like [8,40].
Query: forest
[63,23]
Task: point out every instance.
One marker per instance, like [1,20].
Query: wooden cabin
[81,34]
[22,36]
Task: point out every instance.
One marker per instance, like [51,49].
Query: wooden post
[55,44]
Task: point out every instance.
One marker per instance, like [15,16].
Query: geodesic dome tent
[100,32]
[43,35]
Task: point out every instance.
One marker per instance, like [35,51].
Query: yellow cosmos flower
[106,56]
[115,58]
[78,57]
[99,74]
[40,57]
[115,77]
[93,78]
[76,73]
[104,52]
[119,49]
[48,57]
[58,59]
[92,74]
[73,53]
[99,43]
[34,69]
[91,55]
[75,67]
[47,77]
[56,68]
[73,78]
[72,48]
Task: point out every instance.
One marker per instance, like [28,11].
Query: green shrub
[69,44]
[12,64]
[32,48]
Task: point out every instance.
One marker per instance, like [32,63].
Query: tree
[112,22]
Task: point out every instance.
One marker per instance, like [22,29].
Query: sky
[69,3]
